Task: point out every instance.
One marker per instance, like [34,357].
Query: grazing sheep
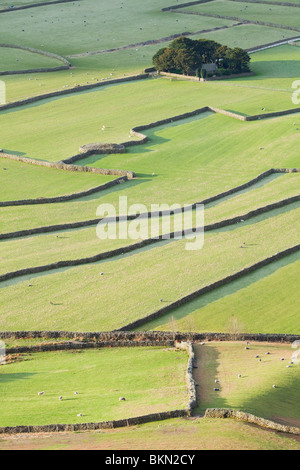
[239,376]
[41,393]
[76,393]
[60,398]
[79,415]
[216,389]
[122,399]
[274,386]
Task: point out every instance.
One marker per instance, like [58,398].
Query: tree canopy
[187,56]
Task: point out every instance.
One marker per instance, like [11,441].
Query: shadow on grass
[221,292]
[260,218]
[113,190]
[15,376]
[281,404]
[205,375]
[276,69]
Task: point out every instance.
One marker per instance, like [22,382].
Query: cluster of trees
[187,56]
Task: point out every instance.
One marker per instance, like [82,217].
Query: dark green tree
[238,60]
[165,61]
[186,61]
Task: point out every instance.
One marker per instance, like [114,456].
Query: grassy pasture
[211,164]
[253,392]
[184,162]
[277,14]
[18,3]
[256,302]
[273,67]
[22,181]
[100,377]
[79,27]
[17,59]
[249,35]
[78,243]
[81,299]
[82,115]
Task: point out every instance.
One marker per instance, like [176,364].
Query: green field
[253,392]
[17,59]
[183,162]
[221,255]
[100,377]
[277,14]
[256,302]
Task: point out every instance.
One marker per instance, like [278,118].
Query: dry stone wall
[139,337]
[250,418]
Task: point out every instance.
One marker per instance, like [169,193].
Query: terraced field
[231,145]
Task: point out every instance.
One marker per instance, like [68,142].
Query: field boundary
[68,167]
[186,412]
[235,18]
[223,413]
[148,241]
[211,287]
